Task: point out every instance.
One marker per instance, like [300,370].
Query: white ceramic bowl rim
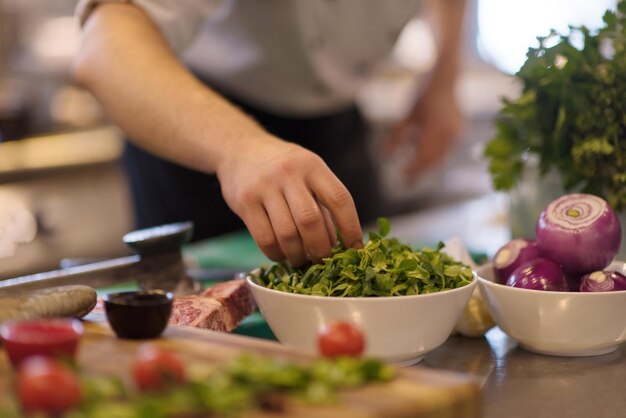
[364,299]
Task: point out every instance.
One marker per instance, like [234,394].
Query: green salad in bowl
[406,301]
[383,267]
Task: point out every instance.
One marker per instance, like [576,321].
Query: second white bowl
[558,323]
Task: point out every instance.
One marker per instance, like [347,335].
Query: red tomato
[340,339]
[156,368]
[44,385]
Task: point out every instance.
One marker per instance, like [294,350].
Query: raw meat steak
[221,307]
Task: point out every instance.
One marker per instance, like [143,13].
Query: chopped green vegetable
[570,113]
[383,267]
[248,381]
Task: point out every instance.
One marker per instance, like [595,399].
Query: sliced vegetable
[603,281]
[383,267]
[45,386]
[511,255]
[340,339]
[155,368]
[56,337]
[247,385]
[580,232]
[539,274]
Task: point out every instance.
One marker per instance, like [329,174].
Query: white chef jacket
[290,57]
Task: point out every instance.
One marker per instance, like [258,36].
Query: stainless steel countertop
[518,383]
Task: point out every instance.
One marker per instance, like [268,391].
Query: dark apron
[164,192]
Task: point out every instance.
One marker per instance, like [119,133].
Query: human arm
[281,191]
[435,120]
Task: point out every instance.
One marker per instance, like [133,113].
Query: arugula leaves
[383,267]
[571,112]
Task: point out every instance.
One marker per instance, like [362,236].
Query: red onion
[603,281]
[573,281]
[539,274]
[580,232]
[511,255]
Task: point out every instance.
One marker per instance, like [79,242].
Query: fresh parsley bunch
[571,113]
[383,267]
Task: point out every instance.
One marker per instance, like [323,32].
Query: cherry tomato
[156,368]
[45,386]
[340,339]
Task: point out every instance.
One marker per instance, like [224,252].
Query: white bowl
[398,329]
[558,323]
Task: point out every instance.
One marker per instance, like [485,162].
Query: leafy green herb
[383,267]
[246,382]
[571,113]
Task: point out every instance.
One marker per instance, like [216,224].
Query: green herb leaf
[383,267]
[570,113]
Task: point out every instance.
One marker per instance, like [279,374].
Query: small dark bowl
[138,314]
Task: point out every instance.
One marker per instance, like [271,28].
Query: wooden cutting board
[416,392]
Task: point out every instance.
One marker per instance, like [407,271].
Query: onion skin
[603,281]
[580,232]
[511,255]
[539,274]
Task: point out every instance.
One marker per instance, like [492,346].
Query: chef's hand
[432,126]
[289,200]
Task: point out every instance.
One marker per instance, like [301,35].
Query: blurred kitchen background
[59,174]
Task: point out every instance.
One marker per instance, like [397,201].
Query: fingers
[330,226]
[309,220]
[297,227]
[260,227]
[335,197]
[285,228]
[291,205]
